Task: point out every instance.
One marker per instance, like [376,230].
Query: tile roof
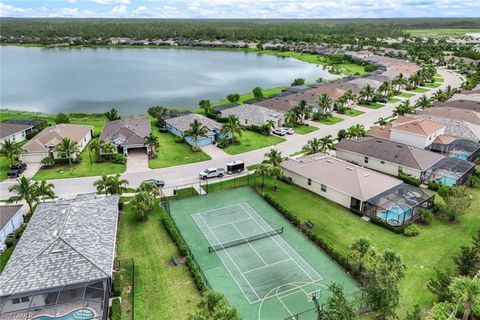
[8,129]
[444,139]
[356,181]
[65,242]
[391,151]
[380,131]
[54,134]
[183,122]
[126,131]
[331,90]
[456,128]
[7,213]
[278,103]
[417,126]
[255,114]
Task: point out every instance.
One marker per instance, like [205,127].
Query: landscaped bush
[10,242]
[433,185]
[18,233]
[117,284]
[48,161]
[116,310]
[179,140]
[411,230]
[388,226]
[426,215]
[119,158]
[409,179]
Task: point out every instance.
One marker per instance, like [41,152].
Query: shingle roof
[254,113]
[127,131]
[455,128]
[453,113]
[54,134]
[8,129]
[7,213]
[461,103]
[391,151]
[65,242]
[182,123]
[356,181]
[418,126]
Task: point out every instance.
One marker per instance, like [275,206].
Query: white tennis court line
[236,266]
[267,265]
[286,243]
[250,245]
[231,222]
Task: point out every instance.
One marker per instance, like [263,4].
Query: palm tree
[102,184]
[141,203]
[423,103]
[440,95]
[152,141]
[276,173]
[197,130]
[45,190]
[116,185]
[356,131]
[392,263]
[112,115]
[270,124]
[233,126]
[367,93]
[150,188]
[25,189]
[274,157]
[325,102]
[313,146]
[67,148]
[262,169]
[403,108]
[384,88]
[399,81]
[326,143]
[303,109]
[360,249]
[95,145]
[109,148]
[382,122]
[466,292]
[350,96]
[292,117]
[205,105]
[11,150]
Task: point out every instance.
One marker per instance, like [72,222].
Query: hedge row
[183,249]
[409,179]
[116,310]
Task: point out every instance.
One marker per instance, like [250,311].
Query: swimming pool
[396,214]
[447,181]
[80,314]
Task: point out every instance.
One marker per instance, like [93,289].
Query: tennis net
[245,240]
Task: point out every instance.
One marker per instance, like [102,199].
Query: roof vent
[350,168]
[329,161]
[366,174]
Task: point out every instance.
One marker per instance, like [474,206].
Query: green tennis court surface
[265,271]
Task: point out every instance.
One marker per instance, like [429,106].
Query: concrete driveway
[137,161]
[32,168]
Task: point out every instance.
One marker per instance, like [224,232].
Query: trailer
[236,166]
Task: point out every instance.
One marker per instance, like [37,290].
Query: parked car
[383,100]
[279,132]
[288,130]
[158,183]
[16,170]
[236,166]
[212,173]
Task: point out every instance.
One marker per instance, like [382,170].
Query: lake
[132,79]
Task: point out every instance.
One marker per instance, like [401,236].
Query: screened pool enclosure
[449,171]
[459,148]
[398,206]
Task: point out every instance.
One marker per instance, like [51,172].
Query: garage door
[32,157]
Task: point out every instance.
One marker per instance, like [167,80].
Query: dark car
[158,183]
[383,100]
[16,170]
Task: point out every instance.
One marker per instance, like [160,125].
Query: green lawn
[353,112]
[82,169]
[374,105]
[434,247]
[406,95]
[4,257]
[393,100]
[441,32]
[433,85]
[330,120]
[161,291]
[438,79]
[304,129]
[4,166]
[249,95]
[421,90]
[252,141]
[171,153]
[353,69]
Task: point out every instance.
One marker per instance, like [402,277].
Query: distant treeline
[254,29]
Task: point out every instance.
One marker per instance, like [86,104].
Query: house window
[309,182]
[323,188]
[13,138]
[365,160]
[25,299]
[16,301]
[246,121]
[382,162]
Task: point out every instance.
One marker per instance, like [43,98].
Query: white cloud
[118,11]
[111,1]
[72,1]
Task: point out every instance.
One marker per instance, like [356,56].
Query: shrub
[409,179]
[18,233]
[426,215]
[119,158]
[411,230]
[117,284]
[48,161]
[433,185]
[179,140]
[10,242]
[116,310]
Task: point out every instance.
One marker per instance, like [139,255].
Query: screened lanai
[458,148]
[449,171]
[399,205]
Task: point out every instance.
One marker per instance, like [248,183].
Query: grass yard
[393,100]
[247,96]
[434,247]
[353,112]
[421,90]
[161,291]
[4,257]
[439,79]
[433,85]
[441,32]
[406,95]
[252,141]
[374,105]
[4,166]
[304,129]
[330,120]
[82,169]
[171,153]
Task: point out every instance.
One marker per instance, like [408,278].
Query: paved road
[187,174]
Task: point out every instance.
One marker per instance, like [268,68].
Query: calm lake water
[92,80]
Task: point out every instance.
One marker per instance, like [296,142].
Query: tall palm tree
[367,93]
[152,141]
[276,173]
[325,102]
[382,122]
[205,105]
[11,150]
[45,190]
[150,188]
[400,81]
[360,249]
[403,108]
[102,184]
[356,131]
[392,263]
[196,131]
[141,203]
[303,109]
[466,292]
[326,143]
[116,185]
[109,148]
[67,148]
[313,146]
[423,102]
[262,169]
[293,117]
[25,189]
[350,96]
[233,127]
[274,157]
[384,88]
[94,145]
[270,124]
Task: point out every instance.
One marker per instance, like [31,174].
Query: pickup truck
[212,173]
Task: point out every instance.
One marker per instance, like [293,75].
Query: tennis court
[257,259]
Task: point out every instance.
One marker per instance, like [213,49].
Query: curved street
[186,174]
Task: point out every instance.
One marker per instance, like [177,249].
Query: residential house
[44,143]
[456,128]
[14,132]
[127,134]
[464,104]
[279,103]
[415,132]
[452,113]
[393,157]
[179,126]
[11,218]
[63,263]
[454,147]
[254,115]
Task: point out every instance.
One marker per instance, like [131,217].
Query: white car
[211,173]
[279,132]
[288,130]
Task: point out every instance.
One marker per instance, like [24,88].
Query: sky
[229,9]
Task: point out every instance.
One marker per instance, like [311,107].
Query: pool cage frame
[59,301]
[402,195]
[470,149]
[452,168]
